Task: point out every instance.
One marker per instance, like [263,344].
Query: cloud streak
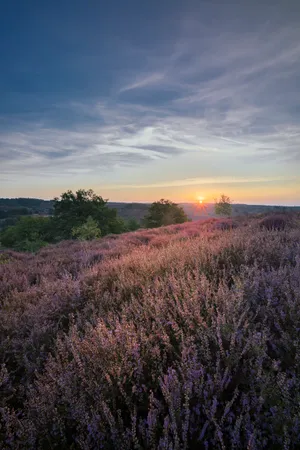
[200,182]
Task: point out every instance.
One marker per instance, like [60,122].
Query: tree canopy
[164,212]
[88,231]
[71,210]
[223,206]
[29,234]
[132,224]
[81,215]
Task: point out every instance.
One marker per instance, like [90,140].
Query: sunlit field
[183,337]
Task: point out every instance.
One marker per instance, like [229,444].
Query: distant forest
[11,209]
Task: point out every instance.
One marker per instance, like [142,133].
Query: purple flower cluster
[185,337]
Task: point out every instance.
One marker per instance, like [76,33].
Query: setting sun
[200,199]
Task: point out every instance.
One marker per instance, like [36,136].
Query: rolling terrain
[183,337]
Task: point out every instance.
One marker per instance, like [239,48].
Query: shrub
[132,225]
[225,225]
[273,223]
[29,234]
[88,231]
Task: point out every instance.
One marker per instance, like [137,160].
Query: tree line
[83,215]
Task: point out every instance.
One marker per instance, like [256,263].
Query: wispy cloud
[144,81]
[51,151]
[199,182]
[237,97]
[239,88]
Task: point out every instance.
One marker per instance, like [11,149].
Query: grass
[184,337]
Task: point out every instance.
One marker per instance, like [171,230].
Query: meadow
[182,337]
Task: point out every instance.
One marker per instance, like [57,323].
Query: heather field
[183,337]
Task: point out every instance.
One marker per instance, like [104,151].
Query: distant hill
[33,204]
[195,212]
[130,210]
[13,208]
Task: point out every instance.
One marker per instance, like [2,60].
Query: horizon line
[150,202]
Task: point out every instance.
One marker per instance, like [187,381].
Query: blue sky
[147,99]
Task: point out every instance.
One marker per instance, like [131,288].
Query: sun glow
[201,205]
[200,199]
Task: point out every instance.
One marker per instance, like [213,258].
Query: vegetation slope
[183,337]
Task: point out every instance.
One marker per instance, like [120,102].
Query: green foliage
[32,245]
[88,231]
[29,234]
[72,209]
[13,212]
[9,222]
[133,225]
[117,226]
[223,206]
[79,215]
[164,212]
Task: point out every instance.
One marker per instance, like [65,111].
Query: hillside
[183,337]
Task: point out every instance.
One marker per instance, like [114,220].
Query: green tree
[88,231]
[29,234]
[71,210]
[164,212]
[223,206]
[118,226]
[133,224]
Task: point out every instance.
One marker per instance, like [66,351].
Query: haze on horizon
[144,100]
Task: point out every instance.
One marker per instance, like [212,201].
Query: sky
[141,100]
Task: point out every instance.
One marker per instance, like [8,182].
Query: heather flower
[183,337]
